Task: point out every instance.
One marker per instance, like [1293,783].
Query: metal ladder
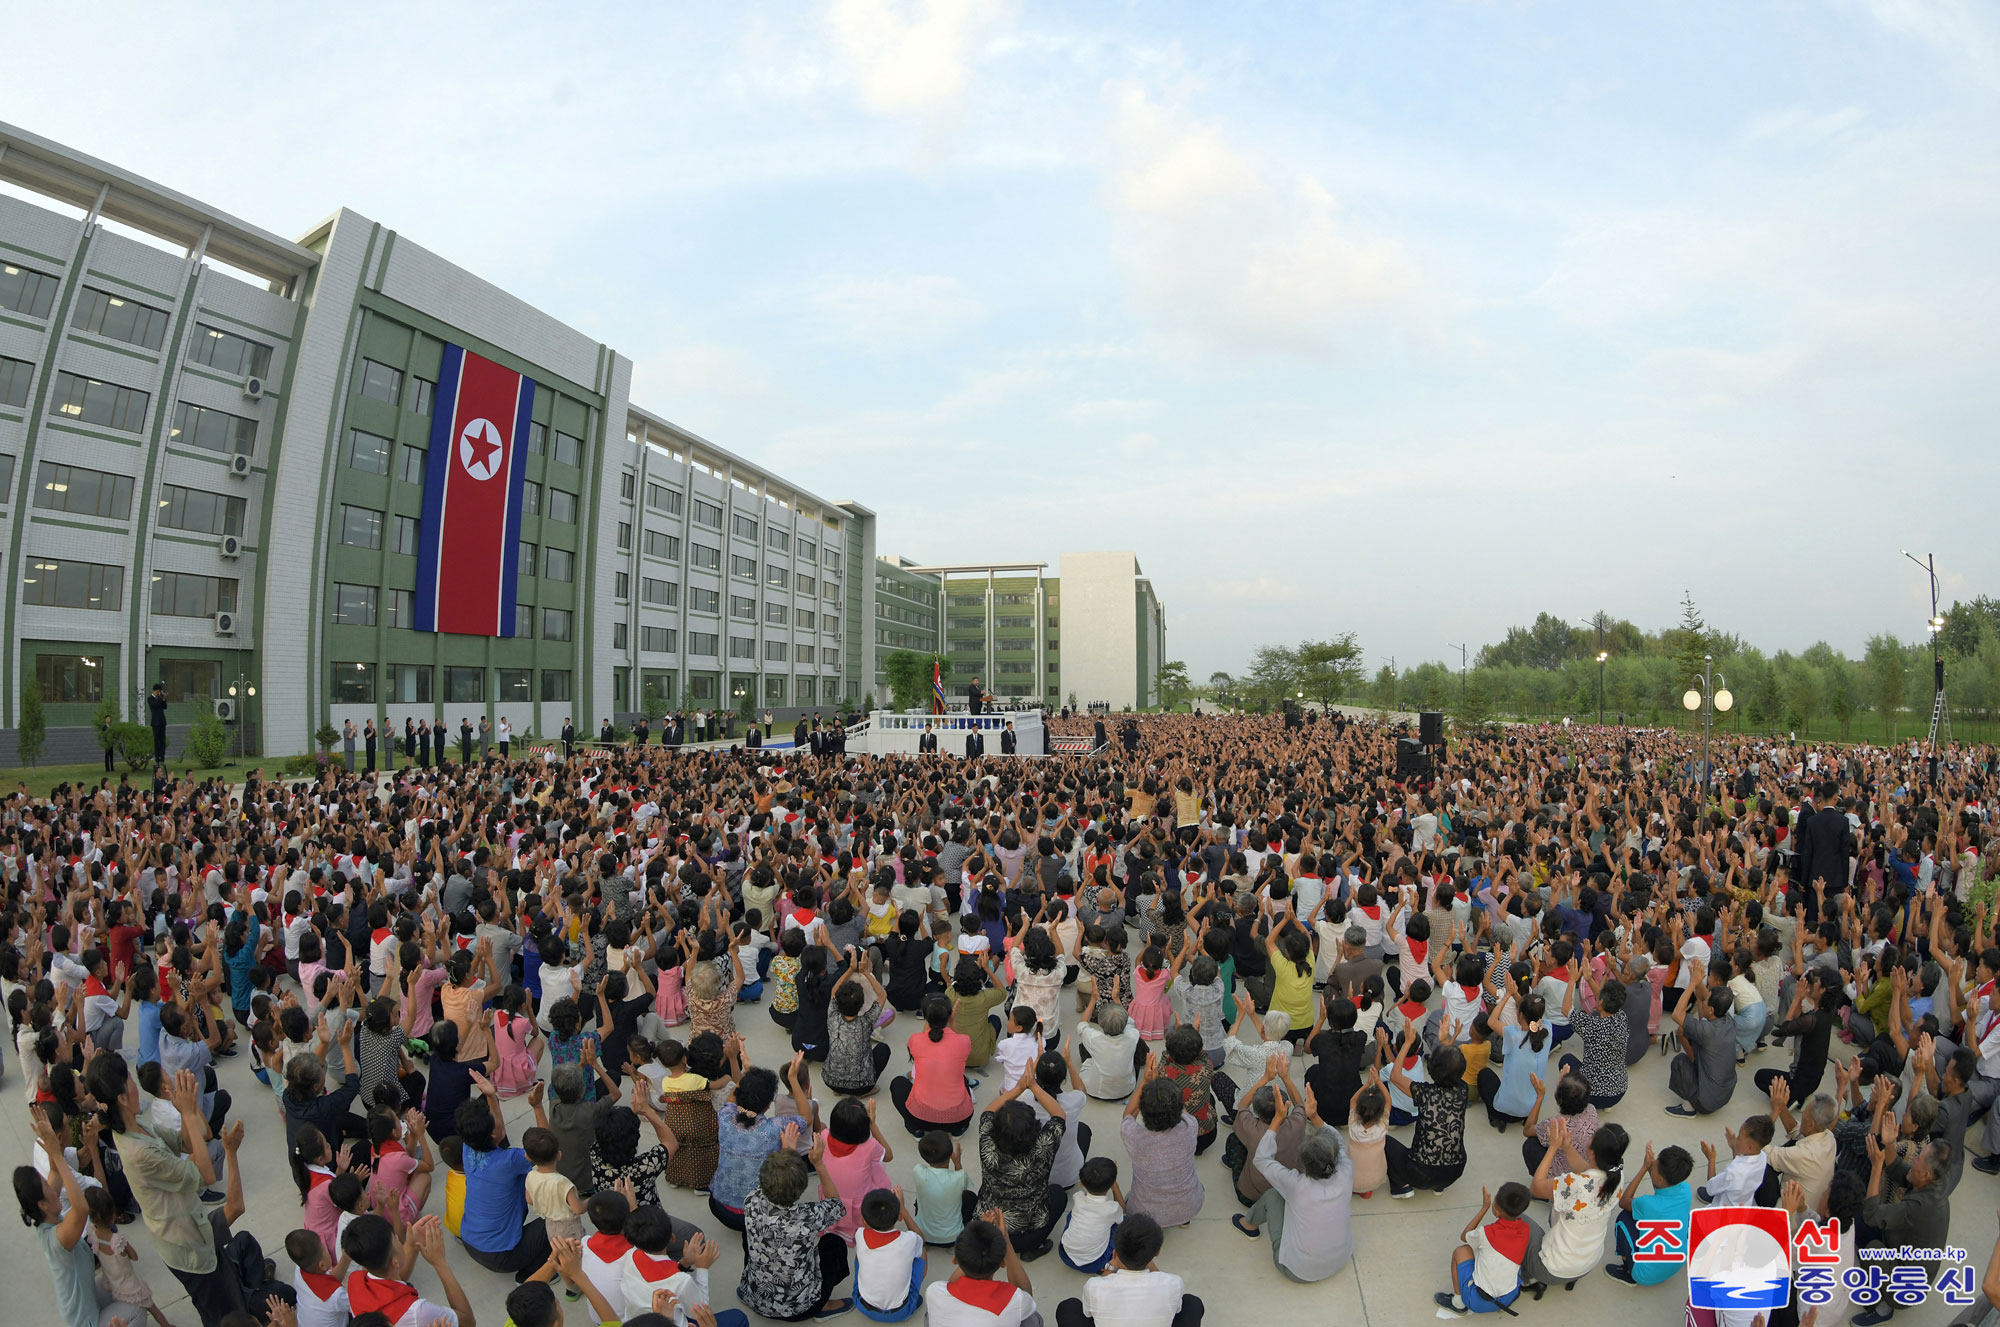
[1940,720]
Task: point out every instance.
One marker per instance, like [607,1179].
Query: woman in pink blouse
[934,1095]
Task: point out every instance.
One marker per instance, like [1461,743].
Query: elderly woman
[495,1228]
[854,1059]
[615,1153]
[1017,1157]
[793,1259]
[1308,1209]
[1435,1156]
[1160,1136]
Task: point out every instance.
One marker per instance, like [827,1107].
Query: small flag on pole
[937,687]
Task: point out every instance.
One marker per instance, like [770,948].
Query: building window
[621,585]
[354,605]
[381,383]
[660,640]
[360,527]
[804,618]
[402,609]
[102,403]
[743,568]
[228,353]
[628,484]
[777,576]
[555,684]
[569,451]
[185,594]
[202,513]
[68,584]
[24,290]
[704,601]
[802,654]
[807,585]
[524,558]
[664,546]
[404,535]
[775,614]
[555,624]
[832,561]
[524,621]
[119,319]
[416,463]
[774,691]
[780,541]
[531,499]
[708,559]
[15,377]
[701,688]
[830,591]
[72,488]
[743,608]
[829,656]
[513,684]
[558,564]
[369,453]
[213,430]
[742,647]
[464,686]
[664,594]
[702,643]
[538,438]
[406,684]
[422,397]
[191,679]
[1014,666]
[618,636]
[68,679]
[808,551]
[967,623]
[354,684]
[744,527]
[708,514]
[830,623]
[661,498]
[774,651]
[624,536]
[562,506]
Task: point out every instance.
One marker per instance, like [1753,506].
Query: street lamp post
[1602,655]
[1929,564]
[249,693]
[1711,696]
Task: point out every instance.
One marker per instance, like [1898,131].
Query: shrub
[208,741]
[302,767]
[32,732]
[135,745]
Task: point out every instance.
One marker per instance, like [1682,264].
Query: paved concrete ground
[1401,1247]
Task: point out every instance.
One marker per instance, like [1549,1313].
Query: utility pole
[1463,655]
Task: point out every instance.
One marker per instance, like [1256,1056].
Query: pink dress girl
[515,1072]
[1150,1011]
[857,1171]
[669,997]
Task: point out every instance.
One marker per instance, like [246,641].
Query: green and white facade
[211,473]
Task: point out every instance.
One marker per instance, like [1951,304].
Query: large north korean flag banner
[466,554]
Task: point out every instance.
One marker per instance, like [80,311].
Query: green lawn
[41,778]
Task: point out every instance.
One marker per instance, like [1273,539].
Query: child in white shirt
[1739,1180]
[1099,1206]
[889,1262]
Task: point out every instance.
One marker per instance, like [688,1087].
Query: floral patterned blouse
[781,1276]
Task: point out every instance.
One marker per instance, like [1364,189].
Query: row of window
[916,594]
[369,453]
[74,489]
[363,605]
[704,688]
[667,500]
[413,684]
[666,640]
[68,583]
[78,679]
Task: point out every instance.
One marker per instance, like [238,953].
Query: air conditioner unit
[231,546]
[225,624]
[253,388]
[239,465]
[225,709]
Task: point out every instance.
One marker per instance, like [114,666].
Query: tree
[103,720]
[1329,670]
[1274,674]
[208,740]
[1474,709]
[1963,623]
[135,745]
[1174,684]
[1839,682]
[1888,673]
[1691,641]
[1383,689]
[31,734]
[909,676]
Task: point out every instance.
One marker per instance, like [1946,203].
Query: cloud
[1796,127]
[1233,253]
[913,56]
[877,311]
[1110,409]
[1960,31]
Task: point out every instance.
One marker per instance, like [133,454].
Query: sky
[1406,319]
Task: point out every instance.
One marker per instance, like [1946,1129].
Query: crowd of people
[565,1009]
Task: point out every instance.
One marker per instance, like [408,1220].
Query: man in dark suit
[1008,742]
[927,743]
[464,741]
[568,738]
[975,744]
[606,733]
[156,714]
[1099,736]
[801,735]
[1826,846]
[975,699]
